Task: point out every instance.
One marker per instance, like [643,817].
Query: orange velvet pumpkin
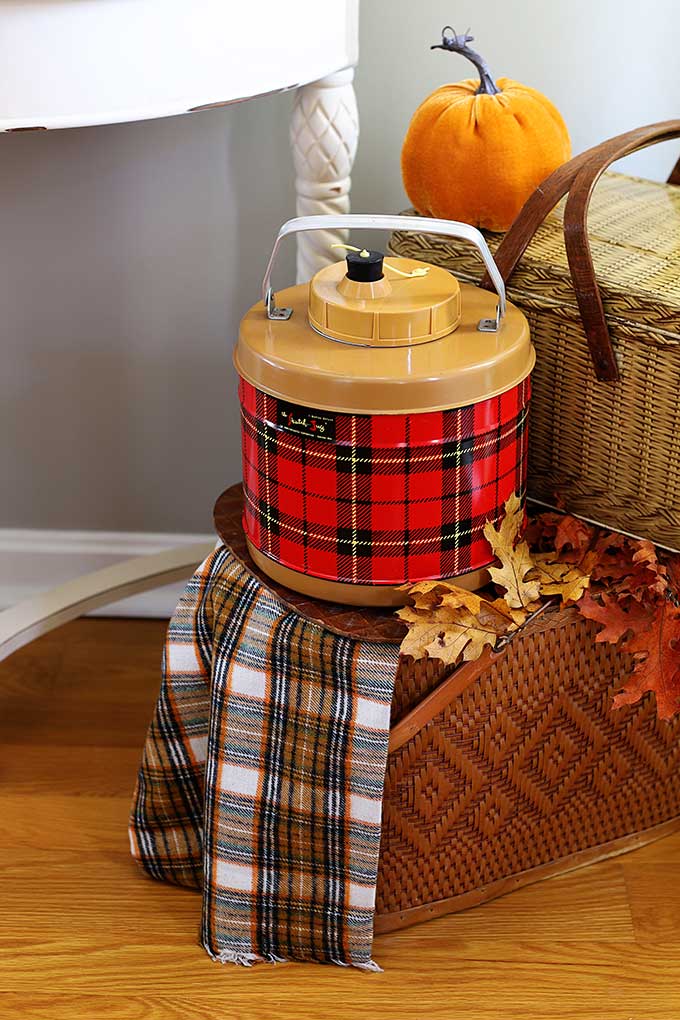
[476,149]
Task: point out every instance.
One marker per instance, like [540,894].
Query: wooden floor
[84,934]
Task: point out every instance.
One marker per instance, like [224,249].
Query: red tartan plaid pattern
[382,499]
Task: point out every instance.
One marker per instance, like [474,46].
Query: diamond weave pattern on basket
[381,499]
[528,765]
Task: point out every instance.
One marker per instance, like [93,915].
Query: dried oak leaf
[657,649]
[516,616]
[541,530]
[628,566]
[461,625]
[650,574]
[573,538]
[460,598]
[516,560]
[427,594]
[673,571]
[612,557]
[556,578]
[617,617]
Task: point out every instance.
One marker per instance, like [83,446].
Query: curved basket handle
[424,224]
[674,175]
[578,247]
[582,172]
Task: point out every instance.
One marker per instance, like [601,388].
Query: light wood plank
[95,691]
[654,895]
[68,770]
[108,876]
[454,974]
[346,1006]
[63,822]
[662,851]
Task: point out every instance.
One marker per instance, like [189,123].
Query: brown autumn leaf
[649,572]
[589,563]
[563,579]
[612,557]
[460,598]
[516,561]
[673,571]
[573,538]
[645,553]
[444,634]
[516,616]
[468,639]
[628,566]
[617,618]
[461,625]
[427,594]
[657,649]
[541,530]
[628,600]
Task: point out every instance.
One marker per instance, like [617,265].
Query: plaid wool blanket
[262,775]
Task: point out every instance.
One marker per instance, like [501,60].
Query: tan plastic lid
[392,311]
[379,373]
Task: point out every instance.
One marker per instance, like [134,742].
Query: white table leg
[324,132]
[27,620]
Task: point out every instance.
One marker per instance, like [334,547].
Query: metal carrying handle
[423,224]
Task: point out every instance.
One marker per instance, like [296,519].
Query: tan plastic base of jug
[350,594]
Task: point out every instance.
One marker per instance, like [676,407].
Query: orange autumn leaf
[673,571]
[612,557]
[657,650]
[617,620]
[573,538]
[649,572]
[541,530]
[629,566]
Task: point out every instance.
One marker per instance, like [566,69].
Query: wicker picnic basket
[605,419]
[506,770]
[515,768]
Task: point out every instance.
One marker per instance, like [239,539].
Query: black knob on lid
[365,266]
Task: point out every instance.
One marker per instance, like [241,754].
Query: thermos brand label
[305,421]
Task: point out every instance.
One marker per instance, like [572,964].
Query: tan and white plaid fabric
[262,776]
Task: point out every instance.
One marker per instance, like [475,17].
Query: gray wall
[128,253]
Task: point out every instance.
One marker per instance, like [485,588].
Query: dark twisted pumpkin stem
[459,44]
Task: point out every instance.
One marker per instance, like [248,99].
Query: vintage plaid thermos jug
[384,419]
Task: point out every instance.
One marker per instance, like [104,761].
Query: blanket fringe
[232,956]
[371,965]
[248,959]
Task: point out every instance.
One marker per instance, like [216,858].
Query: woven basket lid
[395,344]
[634,233]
